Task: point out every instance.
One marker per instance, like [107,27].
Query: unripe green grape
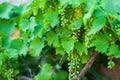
[77,72]
[78,66]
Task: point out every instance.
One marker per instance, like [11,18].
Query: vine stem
[87,66]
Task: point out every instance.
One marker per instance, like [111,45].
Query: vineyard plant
[58,39]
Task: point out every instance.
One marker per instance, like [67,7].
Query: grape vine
[48,29]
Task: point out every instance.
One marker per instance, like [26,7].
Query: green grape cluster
[117,29]
[73,64]
[76,35]
[87,38]
[87,41]
[111,63]
[64,20]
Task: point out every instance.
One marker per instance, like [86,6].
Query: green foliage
[97,25]
[6,27]
[45,73]
[114,50]
[5,9]
[57,75]
[36,46]
[51,18]
[101,39]
[74,28]
[68,45]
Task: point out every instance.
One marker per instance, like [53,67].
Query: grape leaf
[84,59]
[75,3]
[76,24]
[112,10]
[16,44]
[5,9]
[68,45]
[56,42]
[6,42]
[28,24]
[36,46]
[101,43]
[114,50]
[80,48]
[38,29]
[25,24]
[52,18]
[97,25]
[60,50]
[91,7]
[1,61]
[60,75]
[45,73]
[64,2]
[32,24]
[1,42]
[39,3]
[12,53]
[51,36]
[6,27]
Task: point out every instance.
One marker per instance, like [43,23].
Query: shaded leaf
[16,44]
[6,27]
[12,53]
[45,73]
[36,46]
